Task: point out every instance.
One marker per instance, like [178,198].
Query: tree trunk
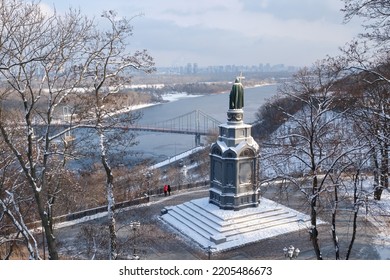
[385,166]
[334,233]
[377,187]
[110,199]
[313,231]
[46,226]
[18,221]
[111,221]
[355,214]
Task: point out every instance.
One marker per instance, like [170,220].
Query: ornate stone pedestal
[234,165]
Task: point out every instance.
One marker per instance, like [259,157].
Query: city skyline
[195,68]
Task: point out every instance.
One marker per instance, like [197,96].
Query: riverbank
[176,96]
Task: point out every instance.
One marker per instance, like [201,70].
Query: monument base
[232,201]
[208,225]
[235,116]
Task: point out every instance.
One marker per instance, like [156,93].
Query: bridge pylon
[197,140]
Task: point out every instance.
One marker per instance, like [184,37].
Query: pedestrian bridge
[195,123]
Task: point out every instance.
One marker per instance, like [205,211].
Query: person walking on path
[165,190]
[169,189]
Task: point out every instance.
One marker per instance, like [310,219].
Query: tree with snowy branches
[312,150]
[45,59]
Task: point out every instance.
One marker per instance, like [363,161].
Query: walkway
[155,240]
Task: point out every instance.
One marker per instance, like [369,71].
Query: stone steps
[243,223]
[194,220]
[206,223]
[187,229]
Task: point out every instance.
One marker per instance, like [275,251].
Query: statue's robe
[236,98]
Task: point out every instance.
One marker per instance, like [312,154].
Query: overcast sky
[221,32]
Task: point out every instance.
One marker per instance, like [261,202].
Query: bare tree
[105,71]
[375,15]
[368,60]
[369,115]
[46,63]
[36,53]
[313,145]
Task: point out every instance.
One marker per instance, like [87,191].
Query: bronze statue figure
[236,98]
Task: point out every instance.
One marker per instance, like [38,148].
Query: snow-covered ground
[379,215]
[176,157]
[171,97]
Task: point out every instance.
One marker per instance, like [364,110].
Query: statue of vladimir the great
[236,98]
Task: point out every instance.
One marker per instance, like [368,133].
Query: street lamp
[209,251]
[291,252]
[134,226]
[148,176]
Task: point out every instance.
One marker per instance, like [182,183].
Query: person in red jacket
[165,190]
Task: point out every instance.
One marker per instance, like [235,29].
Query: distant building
[194,68]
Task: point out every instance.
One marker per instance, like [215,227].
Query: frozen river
[160,146]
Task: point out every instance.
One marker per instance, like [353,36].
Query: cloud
[290,31]
[301,19]
[230,31]
[297,9]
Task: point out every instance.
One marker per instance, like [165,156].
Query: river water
[160,146]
